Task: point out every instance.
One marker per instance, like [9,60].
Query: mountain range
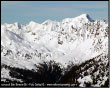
[70,41]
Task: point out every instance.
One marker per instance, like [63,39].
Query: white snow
[65,41]
[86,79]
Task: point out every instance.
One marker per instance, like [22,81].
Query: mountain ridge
[74,40]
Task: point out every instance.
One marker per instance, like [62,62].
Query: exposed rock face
[80,40]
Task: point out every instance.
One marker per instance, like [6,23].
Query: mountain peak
[86,17]
[83,17]
[47,22]
[32,22]
[18,25]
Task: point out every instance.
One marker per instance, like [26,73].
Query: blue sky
[39,11]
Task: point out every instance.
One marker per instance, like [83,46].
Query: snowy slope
[71,40]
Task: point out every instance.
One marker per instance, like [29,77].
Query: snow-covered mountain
[73,40]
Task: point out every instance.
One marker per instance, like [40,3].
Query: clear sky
[39,11]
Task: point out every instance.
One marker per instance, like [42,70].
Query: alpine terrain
[73,51]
